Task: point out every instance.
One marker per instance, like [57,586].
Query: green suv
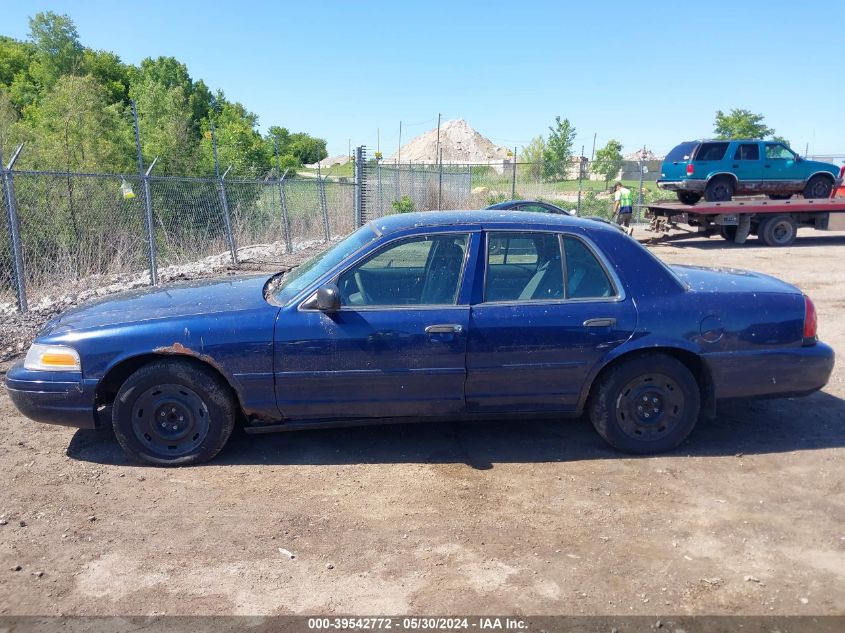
[718,170]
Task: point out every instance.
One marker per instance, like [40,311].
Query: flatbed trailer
[774,222]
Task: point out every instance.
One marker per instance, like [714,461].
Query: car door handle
[606,322]
[735,166]
[766,166]
[445,328]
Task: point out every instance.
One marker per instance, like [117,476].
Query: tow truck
[774,222]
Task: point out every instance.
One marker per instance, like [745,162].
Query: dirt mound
[460,144]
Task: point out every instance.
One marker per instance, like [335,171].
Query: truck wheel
[780,230]
[727,232]
[648,404]
[688,197]
[818,187]
[172,413]
[719,190]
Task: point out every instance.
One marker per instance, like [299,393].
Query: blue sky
[646,73]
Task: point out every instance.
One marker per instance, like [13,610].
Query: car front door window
[417,271]
[777,151]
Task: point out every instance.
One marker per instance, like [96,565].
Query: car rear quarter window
[586,278]
[681,152]
[711,151]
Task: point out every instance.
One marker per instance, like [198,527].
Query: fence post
[411,177]
[378,181]
[324,206]
[359,186]
[513,178]
[227,218]
[440,181]
[148,204]
[8,183]
[580,178]
[285,222]
[640,192]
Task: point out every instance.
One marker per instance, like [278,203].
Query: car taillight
[810,322]
[690,169]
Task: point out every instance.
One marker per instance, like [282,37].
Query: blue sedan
[428,316]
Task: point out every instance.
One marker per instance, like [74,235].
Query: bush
[403,205]
[496,197]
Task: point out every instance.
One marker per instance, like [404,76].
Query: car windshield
[301,277]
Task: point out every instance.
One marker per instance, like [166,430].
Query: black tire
[719,189]
[626,396]
[780,230]
[818,187]
[728,232]
[688,197]
[172,413]
[780,196]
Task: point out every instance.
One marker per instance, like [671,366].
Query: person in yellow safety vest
[623,206]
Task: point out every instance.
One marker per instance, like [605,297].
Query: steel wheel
[645,404]
[818,187]
[173,412]
[649,407]
[170,420]
[719,190]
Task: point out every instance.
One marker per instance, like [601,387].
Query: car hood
[700,279]
[169,302]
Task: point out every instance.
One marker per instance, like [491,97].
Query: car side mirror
[328,298]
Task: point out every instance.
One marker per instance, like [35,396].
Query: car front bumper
[63,398]
[696,186]
[781,373]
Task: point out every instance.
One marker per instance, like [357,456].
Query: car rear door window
[416,271]
[586,278]
[747,151]
[523,266]
[711,151]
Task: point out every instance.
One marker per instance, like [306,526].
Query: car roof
[483,218]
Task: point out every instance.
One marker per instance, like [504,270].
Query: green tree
[740,123]
[164,119]
[112,74]
[608,160]
[238,142]
[558,151]
[306,148]
[15,57]
[532,155]
[57,48]
[8,124]
[75,128]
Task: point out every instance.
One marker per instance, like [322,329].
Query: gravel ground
[532,517]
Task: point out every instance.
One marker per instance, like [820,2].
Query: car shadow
[768,426]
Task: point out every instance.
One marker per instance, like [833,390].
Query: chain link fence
[80,231]
[392,188]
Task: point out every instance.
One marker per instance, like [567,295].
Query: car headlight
[52,358]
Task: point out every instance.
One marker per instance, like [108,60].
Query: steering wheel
[360,283]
